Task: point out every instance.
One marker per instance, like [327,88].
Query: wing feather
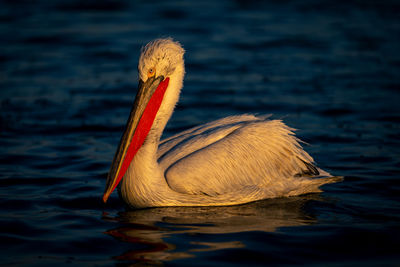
[253,152]
[178,146]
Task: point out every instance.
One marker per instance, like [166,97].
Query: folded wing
[226,155]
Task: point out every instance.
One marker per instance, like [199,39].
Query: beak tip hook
[105,197]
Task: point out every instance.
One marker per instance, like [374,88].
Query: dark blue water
[68,79]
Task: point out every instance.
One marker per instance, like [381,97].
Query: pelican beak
[147,102]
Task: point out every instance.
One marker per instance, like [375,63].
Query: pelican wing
[184,143]
[224,157]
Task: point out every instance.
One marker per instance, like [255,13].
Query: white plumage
[230,161]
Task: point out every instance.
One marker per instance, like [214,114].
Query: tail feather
[326,180]
[312,185]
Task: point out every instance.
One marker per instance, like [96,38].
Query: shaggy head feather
[163,55]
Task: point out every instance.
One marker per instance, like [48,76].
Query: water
[68,79]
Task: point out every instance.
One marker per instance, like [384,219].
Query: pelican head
[161,70]
[160,58]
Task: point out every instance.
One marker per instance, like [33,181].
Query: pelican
[230,161]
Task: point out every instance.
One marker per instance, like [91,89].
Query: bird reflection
[154,229]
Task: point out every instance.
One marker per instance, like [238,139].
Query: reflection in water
[152,230]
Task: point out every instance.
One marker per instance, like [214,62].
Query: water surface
[68,79]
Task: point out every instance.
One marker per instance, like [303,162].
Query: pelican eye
[151,72]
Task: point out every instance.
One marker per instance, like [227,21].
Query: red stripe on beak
[143,128]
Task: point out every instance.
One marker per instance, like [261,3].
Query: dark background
[67,81]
